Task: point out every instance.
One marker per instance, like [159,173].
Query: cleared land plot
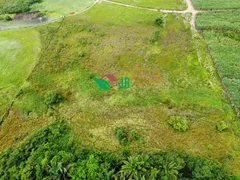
[162,4]
[216,4]
[224,47]
[223,20]
[167,79]
[18,54]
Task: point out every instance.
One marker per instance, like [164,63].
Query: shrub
[92,75]
[125,137]
[134,135]
[122,135]
[179,123]
[155,36]
[52,97]
[7,18]
[81,54]
[221,125]
[126,152]
[41,14]
[159,22]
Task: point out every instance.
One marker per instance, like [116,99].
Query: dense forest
[52,153]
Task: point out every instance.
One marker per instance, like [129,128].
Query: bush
[155,36]
[221,126]
[159,22]
[125,137]
[81,54]
[134,135]
[41,14]
[7,18]
[179,123]
[122,135]
[52,97]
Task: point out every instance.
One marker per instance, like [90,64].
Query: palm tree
[60,172]
[170,171]
[136,167]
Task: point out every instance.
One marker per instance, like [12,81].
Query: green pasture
[168,77]
[216,4]
[62,7]
[161,4]
[219,20]
[18,53]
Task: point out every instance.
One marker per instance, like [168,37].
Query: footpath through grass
[161,4]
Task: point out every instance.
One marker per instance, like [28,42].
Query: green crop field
[224,48]
[216,4]
[222,20]
[19,52]
[161,4]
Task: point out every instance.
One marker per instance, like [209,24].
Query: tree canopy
[51,153]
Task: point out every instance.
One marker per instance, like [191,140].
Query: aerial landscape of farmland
[120,89]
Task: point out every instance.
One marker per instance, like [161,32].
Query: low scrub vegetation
[179,123]
[221,125]
[52,97]
[125,137]
[51,153]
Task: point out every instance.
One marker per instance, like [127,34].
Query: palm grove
[51,153]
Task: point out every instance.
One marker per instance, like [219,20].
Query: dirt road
[190,9]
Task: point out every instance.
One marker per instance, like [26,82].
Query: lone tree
[159,21]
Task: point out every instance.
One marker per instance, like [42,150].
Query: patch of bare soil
[26,15]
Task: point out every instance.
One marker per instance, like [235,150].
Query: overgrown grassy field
[18,53]
[216,4]
[224,47]
[222,20]
[168,78]
[161,4]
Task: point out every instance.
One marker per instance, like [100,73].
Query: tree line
[18,6]
[51,154]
